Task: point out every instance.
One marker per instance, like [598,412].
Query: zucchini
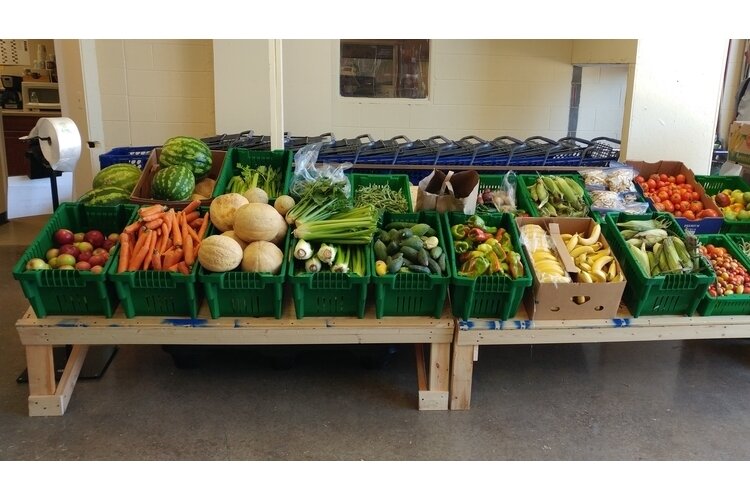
[410,253]
[419,269]
[436,252]
[423,257]
[392,248]
[396,264]
[406,233]
[380,250]
[384,236]
[413,242]
[420,229]
[434,266]
[442,261]
[399,225]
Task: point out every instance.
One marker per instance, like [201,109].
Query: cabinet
[15,126]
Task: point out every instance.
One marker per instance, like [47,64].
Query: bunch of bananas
[597,264]
[556,195]
[547,266]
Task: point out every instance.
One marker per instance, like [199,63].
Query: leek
[341,265]
[303,250]
[355,226]
[313,265]
[326,253]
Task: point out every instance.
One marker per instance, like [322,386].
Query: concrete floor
[623,401]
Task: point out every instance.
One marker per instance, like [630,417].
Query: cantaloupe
[223,208]
[220,253]
[258,222]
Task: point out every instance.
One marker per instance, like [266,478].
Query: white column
[276,93]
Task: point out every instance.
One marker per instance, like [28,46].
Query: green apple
[65,259]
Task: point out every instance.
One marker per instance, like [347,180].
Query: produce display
[405,247]
[187,151]
[734,204]
[557,196]
[87,251]
[674,195]
[731,276]
[658,251]
[382,197]
[162,240]
[484,250]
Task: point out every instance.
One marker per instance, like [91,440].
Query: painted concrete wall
[602,105]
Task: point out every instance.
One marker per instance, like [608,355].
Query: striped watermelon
[106,195]
[188,151]
[174,183]
[122,175]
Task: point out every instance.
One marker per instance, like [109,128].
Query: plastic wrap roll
[63,149]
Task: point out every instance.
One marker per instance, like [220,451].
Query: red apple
[97,260]
[78,237]
[63,237]
[84,246]
[36,264]
[96,269]
[52,253]
[94,237]
[84,256]
[99,251]
[108,244]
[65,259]
[83,266]
[114,236]
[70,249]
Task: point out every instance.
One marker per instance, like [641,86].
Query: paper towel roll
[63,149]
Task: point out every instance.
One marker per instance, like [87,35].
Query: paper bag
[446,201]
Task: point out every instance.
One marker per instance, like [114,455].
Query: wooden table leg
[433,386]
[45,399]
[462,368]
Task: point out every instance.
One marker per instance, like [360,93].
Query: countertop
[20,112]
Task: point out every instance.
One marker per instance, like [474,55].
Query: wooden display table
[39,336]
[624,328]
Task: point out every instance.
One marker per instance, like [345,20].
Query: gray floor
[629,401]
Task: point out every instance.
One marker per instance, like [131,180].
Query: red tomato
[663,177]
[654,177]
[661,184]
[696,206]
[639,179]
[675,198]
[708,212]
[687,187]
[678,214]
[663,195]
[684,206]
[651,184]
[695,195]
[659,207]
[686,196]
[668,206]
[680,179]
[670,179]
[688,214]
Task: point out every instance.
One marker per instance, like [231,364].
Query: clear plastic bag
[306,171]
[620,179]
[541,250]
[594,178]
[502,199]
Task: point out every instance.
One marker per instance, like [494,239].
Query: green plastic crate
[716,183]
[524,198]
[658,295]
[279,159]
[158,293]
[397,182]
[486,296]
[728,304]
[65,292]
[326,293]
[412,294]
[239,293]
[495,181]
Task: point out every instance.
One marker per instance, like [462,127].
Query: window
[384,68]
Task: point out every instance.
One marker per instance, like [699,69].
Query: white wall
[676,92]
[152,90]
[602,105]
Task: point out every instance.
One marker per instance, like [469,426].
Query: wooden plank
[421,372]
[46,406]
[433,400]
[70,374]
[40,366]
[462,368]
[440,362]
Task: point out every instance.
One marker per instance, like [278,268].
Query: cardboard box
[739,143]
[557,301]
[707,225]
[142,192]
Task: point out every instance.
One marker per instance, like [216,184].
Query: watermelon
[174,183]
[188,151]
[106,195]
[122,175]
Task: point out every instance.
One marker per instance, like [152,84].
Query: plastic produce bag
[445,193]
[306,171]
[502,199]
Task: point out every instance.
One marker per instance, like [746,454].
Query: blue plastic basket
[138,156]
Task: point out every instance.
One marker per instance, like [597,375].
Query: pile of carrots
[162,240]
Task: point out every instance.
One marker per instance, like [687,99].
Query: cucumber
[406,233]
[393,235]
[392,248]
[410,253]
[423,257]
[442,261]
[420,229]
[380,250]
[434,266]
[419,269]
[413,242]
[399,225]
[384,236]
[395,265]
[436,252]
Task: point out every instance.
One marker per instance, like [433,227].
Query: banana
[581,250]
[600,253]
[612,271]
[585,266]
[550,267]
[566,237]
[617,279]
[542,255]
[572,242]
[593,237]
[585,277]
[599,263]
[599,276]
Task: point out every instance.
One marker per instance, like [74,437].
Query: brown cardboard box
[707,225]
[556,301]
[739,143]
[142,191]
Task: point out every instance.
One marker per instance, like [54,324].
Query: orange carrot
[196,224]
[122,264]
[169,219]
[191,207]
[191,232]
[153,217]
[183,268]
[164,238]
[172,268]
[177,231]
[150,252]
[140,240]
[187,245]
[153,209]
[134,227]
[137,259]
[156,260]
[155,224]
[192,216]
[195,250]
[172,258]
[204,225]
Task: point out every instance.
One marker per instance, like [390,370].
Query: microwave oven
[40,96]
